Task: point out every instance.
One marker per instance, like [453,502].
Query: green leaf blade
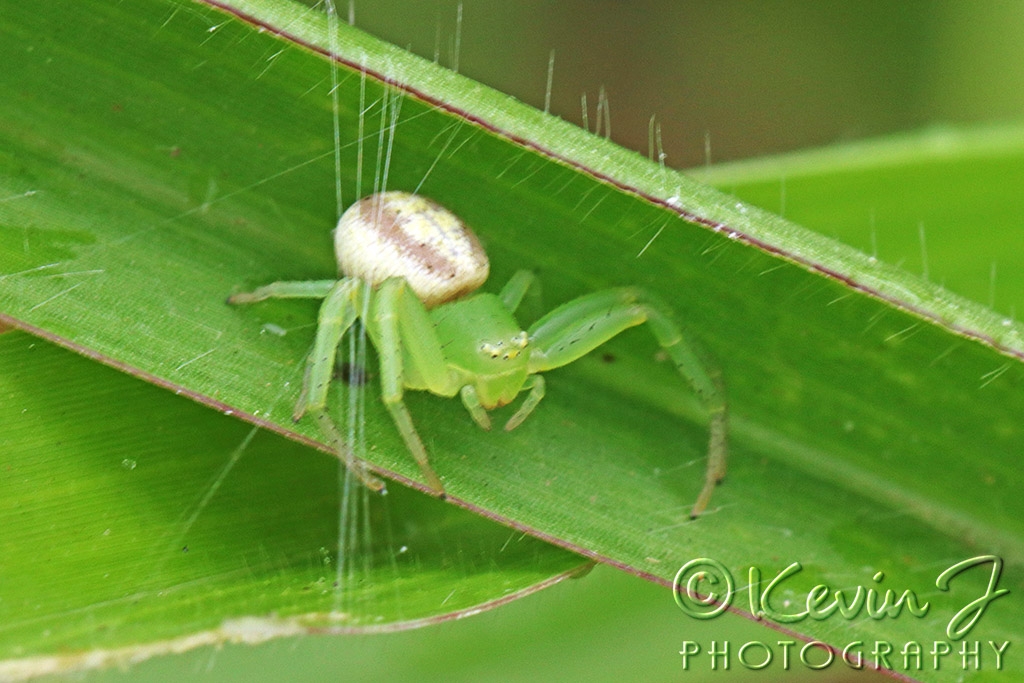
[848,412]
[137,522]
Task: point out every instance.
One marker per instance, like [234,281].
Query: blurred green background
[740,79]
[756,77]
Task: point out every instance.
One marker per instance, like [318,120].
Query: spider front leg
[574,329]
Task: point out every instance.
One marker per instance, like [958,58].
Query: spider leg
[535,383]
[515,289]
[475,408]
[336,315]
[309,289]
[303,289]
[576,328]
[339,310]
[400,317]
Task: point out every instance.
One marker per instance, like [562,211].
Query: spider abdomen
[398,234]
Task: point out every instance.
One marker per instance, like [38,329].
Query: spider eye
[506,350]
[492,350]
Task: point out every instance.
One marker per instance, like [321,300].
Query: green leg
[515,289]
[389,307]
[473,405]
[535,384]
[707,383]
[338,444]
[578,327]
[310,289]
[338,312]
[420,345]
[336,315]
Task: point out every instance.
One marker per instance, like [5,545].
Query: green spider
[410,269]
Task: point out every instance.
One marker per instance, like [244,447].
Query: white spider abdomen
[398,234]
